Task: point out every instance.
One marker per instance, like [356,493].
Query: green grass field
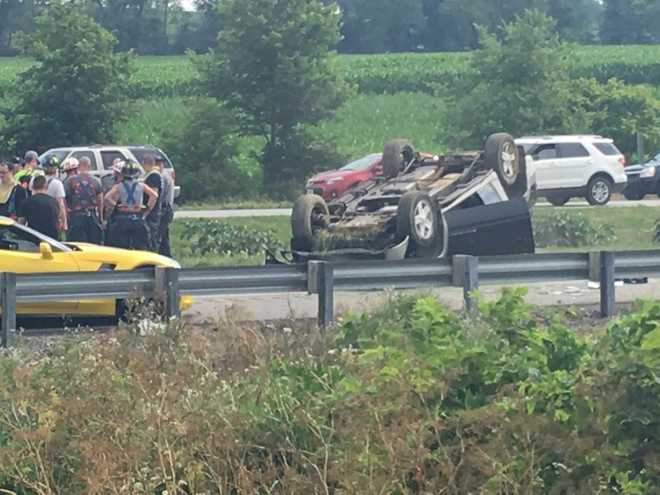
[181,69]
[633,227]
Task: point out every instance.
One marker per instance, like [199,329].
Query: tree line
[367,26]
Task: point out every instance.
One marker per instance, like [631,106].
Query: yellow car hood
[123,259]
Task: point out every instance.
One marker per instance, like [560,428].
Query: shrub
[656,236]
[568,229]
[215,237]
[410,399]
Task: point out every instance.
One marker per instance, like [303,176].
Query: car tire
[306,220]
[503,156]
[419,219]
[633,195]
[558,200]
[393,161]
[599,191]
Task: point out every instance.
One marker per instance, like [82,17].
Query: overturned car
[423,206]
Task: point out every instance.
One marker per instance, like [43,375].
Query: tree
[274,68]
[74,93]
[631,21]
[520,84]
[621,111]
[376,26]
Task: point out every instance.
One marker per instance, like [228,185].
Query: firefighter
[84,201]
[55,188]
[154,180]
[128,228]
[167,210]
[70,167]
[28,165]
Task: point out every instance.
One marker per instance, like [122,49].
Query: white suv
[591,167]
[102,157]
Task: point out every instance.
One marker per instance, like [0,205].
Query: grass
[366,122]
[255,203]
[179,68]
[634,227]
[182,249]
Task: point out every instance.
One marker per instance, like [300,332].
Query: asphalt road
[264,307]
[276,212]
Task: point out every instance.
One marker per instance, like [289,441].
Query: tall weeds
[411,399]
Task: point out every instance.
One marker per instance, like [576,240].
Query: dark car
[643,179]
[334,183]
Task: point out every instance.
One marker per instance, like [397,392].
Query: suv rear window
[607,149]
[140,153]
[60,154]
[572,150]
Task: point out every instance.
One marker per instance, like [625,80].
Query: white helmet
[70,164]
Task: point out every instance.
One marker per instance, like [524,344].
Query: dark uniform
[128,228]
[166,215]
[155,181]
[82,192]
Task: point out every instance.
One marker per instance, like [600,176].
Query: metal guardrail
[323,278]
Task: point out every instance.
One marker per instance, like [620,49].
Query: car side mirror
[46,251]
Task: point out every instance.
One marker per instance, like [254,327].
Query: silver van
[102,157]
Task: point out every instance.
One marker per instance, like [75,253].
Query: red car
[333,183]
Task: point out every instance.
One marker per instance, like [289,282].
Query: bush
[409,399]
[215,237]
[567,229]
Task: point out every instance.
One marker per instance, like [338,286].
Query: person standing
[154,180]
[84,202]
[70,167]
[41,211]
[109,180]
[128,228]
[167,210]
[12,195]
[55,187]
[30,164]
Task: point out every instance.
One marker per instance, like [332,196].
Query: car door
[574,163]
[548,175]
[19,253]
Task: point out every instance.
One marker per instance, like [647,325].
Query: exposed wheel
[633,195]
[307,218]
[396,155]
[599,191]
[419,219]
[558,200]
[508,161]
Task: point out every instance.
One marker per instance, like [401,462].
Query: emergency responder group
[120,210]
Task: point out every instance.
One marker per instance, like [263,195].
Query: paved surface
[283,306]
[275,212]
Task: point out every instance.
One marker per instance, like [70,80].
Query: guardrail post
[8,304]
[607,288]
[594,266]
[321,281]
[167,291]
[465,273]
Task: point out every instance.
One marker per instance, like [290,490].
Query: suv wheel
[558,200]
[599,191]
[395,156]
[507,160]
[419,218]
[307,219]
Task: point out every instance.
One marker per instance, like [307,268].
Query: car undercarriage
[423,206]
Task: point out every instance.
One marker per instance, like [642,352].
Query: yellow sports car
[23,250]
